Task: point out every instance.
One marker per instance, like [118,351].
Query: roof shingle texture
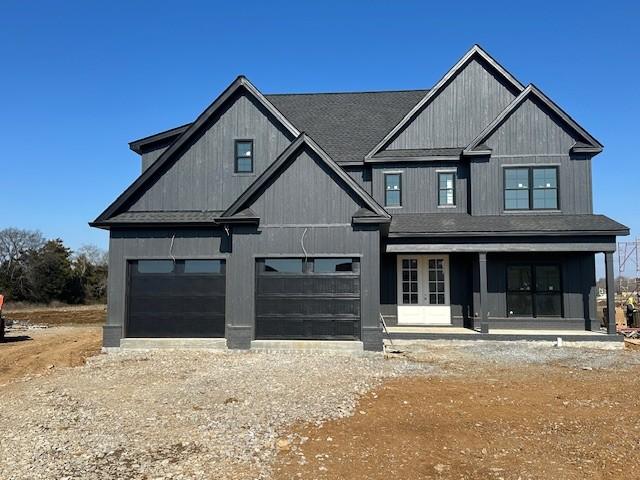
[346,125]
[536,224]
[165,217]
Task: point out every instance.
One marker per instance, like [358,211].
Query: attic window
[244,156]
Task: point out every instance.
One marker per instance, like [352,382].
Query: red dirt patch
[531,423]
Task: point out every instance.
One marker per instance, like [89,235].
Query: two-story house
[307,216]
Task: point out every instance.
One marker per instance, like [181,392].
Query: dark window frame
[236,157]
[308,265]
[399,175]
[533,291]
[530,187]
[453,189]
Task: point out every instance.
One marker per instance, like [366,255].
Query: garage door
[308,299]
[181,299]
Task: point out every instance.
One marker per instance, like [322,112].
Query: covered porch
[503,285]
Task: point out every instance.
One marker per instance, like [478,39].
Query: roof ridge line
[357,92]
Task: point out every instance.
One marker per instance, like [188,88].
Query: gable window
[446,189]
[534,291]
[392,189]
[244,156]
[531,188]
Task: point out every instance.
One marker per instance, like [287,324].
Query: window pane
[155,266]
[283,265]
[392,189]
[202,266]
[516,199]
[244,149]
[322,265]
[548,305]
[446,180]
[244,165]
[519,304]
[393,198]
[516,178]
[547,278]
[544,178]
[392,182]
[547,198]
[519,278]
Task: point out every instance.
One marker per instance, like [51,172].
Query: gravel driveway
[176,414]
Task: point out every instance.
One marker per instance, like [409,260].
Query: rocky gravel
[177,415]
[509,354]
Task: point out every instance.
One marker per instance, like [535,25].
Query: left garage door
[176,299]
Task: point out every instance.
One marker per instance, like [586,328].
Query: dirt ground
[68,315]
[36,352]
[484,422]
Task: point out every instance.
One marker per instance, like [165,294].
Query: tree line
[40,270]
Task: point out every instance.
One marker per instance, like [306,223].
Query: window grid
[531,188]
[436,282]
[243,152]
[446,189]
[534,290]
[409,281]
[393,189]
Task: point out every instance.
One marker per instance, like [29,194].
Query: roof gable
[240,83]
[376,214]
[588,143]
[476,52]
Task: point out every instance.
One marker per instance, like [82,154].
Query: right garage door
[308,299]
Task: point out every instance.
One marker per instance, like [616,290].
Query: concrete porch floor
[460,333]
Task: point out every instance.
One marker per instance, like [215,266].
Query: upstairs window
[531,188]
[392,190]
[446,189]
[244,156]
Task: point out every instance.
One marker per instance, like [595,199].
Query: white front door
[423,290]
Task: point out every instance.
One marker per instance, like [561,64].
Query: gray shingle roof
[346,125]
[164,217]
[462,224]
[420,152]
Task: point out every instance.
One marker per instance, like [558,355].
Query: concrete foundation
[173,344]
[347,347]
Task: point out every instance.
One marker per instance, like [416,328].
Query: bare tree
[15,243]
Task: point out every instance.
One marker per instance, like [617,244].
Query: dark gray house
[307,216]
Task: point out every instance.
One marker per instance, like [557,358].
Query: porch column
[611,293]
[484,317]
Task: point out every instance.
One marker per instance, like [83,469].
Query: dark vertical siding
[531,136]
[203,177]
[578,286]
[420,186]
[459,112]
[305,192]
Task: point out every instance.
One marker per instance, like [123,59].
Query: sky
[79,80]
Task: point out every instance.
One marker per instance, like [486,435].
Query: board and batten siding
[203,177]
[147,158]
[531,136]
[578,291]
[305,192]
[467,104]
[420,186]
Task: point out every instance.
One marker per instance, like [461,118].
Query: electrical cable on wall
[171,249]
[302,244]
